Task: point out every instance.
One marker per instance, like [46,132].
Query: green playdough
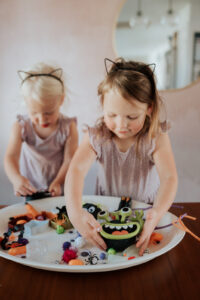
[60,229]
[121,232]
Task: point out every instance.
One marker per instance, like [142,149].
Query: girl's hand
[149,225]
[55,189]
[23,187]
[89,228]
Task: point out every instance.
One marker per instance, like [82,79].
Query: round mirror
[164,32]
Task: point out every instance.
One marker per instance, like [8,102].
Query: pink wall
[183,109]
[77,35]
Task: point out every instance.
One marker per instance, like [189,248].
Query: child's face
[124,118]
[44,113]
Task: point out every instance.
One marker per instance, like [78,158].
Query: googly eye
[103,213]
[91,209]
[125,210]
[85,253]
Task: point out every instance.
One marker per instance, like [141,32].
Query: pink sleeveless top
[124,173]
[41,159]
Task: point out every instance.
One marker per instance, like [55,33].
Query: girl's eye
[111,116]
[48,113]
[132,118]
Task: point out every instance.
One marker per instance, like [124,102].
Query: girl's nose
[42,119]
[122,122]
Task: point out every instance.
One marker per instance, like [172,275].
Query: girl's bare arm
[165,165]
[84,222]
[69,150]
[11,160]
[11,163]
[164,161]
[79,167]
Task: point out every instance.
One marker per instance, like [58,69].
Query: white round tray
[50,243]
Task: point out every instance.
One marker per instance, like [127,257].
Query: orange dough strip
[183,227]
[32,210]
[17,250]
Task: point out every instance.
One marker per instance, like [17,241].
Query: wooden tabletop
[173,275]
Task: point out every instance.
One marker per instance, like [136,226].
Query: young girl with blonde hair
[132,150]
[42,142]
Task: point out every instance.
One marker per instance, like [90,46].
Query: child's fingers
[144,236]
[30,188]
[96,228]
[23,191]
[94,237]
[28,191]
[91,232]
[94,224]
[55,190]
[51,188]
[53,193]
[143,247]
[141,240]
[142,243]
[98,242]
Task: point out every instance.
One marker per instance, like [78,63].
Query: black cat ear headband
[56,74]
[121,67]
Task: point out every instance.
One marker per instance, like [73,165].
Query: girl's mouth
[45,125]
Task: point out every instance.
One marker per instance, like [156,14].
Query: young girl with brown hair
[132,150]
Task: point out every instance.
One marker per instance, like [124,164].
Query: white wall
[183,48]
[158,57]
[142,42]
[77,35]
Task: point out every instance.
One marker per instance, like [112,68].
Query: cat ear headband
[56,74]
[118,67]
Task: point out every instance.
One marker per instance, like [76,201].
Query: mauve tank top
[126,173]
[41,159]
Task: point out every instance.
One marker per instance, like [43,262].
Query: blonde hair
[134,80]
[42,81]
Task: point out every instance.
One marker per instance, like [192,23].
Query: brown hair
[134,80]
